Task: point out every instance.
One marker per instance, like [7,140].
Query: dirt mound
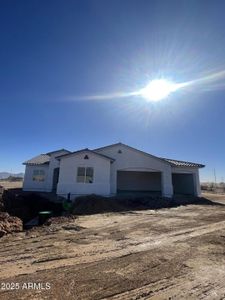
[96,204]
[2,208]
[26,206]
[9,224]
[60,220]
[1,189]
[186,200]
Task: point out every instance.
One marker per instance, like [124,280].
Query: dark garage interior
[139,182]
[183,184]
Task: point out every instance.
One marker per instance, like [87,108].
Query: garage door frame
[183,186]
[138,174]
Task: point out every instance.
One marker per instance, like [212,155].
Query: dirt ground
[11,184]
[176,253]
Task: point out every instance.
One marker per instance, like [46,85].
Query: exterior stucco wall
[195,173]
[133,160]
[30,185]
[68,175]
[54,163]
[46,185]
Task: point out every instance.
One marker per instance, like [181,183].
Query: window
[38,175]
[80,174]
[85,175]
[89,175]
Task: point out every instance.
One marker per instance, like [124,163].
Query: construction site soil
[169,253]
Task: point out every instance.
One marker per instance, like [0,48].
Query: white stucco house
[110,170]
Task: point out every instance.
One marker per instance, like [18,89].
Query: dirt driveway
[175,253]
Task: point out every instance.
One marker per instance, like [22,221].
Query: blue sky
[54,53]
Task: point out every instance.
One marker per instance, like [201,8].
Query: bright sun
[158,89]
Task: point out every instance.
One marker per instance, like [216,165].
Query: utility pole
[215,176]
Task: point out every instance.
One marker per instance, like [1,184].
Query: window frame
[85,176]
[39,176]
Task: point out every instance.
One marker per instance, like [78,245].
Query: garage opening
[130,182]
[183,184]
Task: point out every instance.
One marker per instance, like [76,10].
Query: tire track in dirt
[99,251]
[190,286]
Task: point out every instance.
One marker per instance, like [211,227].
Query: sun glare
[158,89]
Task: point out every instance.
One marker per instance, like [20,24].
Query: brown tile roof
[59,150]
[41,159]
[180,163]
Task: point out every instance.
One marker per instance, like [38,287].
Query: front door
[55,179]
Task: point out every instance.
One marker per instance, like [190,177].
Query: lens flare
[158,89]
